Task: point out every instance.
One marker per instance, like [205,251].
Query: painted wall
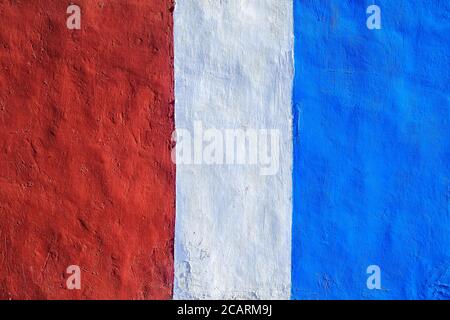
[86,177]
[371,150]
[234,69]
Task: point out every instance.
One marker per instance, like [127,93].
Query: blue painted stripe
[371,150]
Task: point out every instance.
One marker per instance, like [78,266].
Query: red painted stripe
[86,177]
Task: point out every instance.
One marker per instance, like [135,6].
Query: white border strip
[234,69]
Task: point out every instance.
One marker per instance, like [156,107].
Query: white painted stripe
[234,69]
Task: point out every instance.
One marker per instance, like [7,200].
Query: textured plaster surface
[86,177]
[234,69]
[371,150]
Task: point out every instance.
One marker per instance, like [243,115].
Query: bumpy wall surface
[371,150]
[234,70]
[358,178]
[86,177]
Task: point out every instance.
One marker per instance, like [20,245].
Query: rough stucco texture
[371,150]
[234,69]
[85,171]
